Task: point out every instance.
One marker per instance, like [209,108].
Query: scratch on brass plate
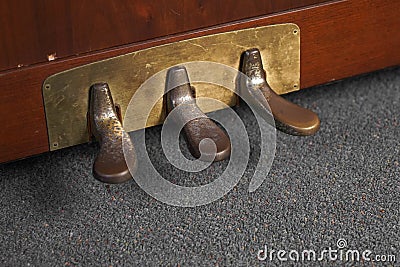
[66,93]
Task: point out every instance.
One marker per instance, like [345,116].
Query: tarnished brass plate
[66,93]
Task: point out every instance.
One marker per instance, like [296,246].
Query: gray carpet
[343,182]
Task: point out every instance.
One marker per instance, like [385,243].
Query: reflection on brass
[110,165]
[289,117]
[66,93]
[195,130]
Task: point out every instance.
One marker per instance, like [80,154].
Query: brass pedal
[289,117]
[195,130]
[104,123]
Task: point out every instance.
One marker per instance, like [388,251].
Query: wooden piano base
[339,39]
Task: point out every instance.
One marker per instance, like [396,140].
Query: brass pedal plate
[66,93]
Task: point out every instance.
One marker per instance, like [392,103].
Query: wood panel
[31,30]
[338,40]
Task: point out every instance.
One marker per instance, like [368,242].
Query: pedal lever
[289,117]
[110,165]
[195,130]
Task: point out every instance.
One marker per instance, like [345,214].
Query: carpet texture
[342,183]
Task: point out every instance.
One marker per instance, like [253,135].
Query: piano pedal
[205,140]
[105,125]
[197,126]
[289,117]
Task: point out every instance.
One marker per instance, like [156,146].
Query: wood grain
[33,29]
[338,40]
